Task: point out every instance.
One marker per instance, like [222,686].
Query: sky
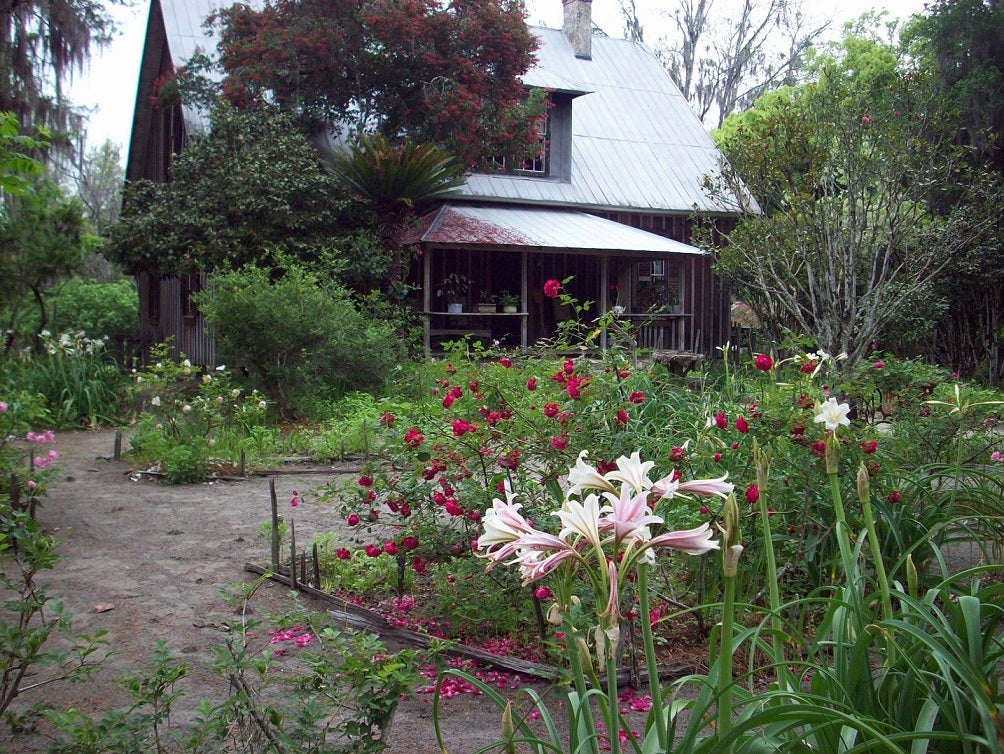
[108,85]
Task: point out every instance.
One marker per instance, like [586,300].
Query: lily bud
[730,521]
[864,486]
[761,459]
[832,453]
[730,561]
[585,657]
[508,729]
[912,580]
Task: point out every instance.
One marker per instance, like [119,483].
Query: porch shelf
[459,324]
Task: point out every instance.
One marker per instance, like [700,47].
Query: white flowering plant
[195,421]
[610,533]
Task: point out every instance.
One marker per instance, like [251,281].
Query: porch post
[524,297]
[427,300]
[604,287]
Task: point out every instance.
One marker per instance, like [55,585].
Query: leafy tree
[99,183]
[846,171]
[252,187]
[16,162]
[442,73]
[395,182]
[41,244]
[963,42]
[42,43]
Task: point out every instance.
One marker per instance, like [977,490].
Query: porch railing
[662,332]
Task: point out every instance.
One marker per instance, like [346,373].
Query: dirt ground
[146,562]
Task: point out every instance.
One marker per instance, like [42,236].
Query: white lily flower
[832,414]
[707,487]
[503,523]
[628,516]
[633,472]
[582,476]
[694,541]
[581,518]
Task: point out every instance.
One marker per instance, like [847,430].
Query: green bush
[77,379]
[96,308]
[298,337]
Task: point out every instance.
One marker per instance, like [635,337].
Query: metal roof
[482,225]
[636,143]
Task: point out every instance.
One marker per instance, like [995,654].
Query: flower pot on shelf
[455,308]
[487,308]
[509,309]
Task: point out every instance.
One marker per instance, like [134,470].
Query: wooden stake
[292,555]
[317,568]
[244,462]
[117,447]
[275,524]
[303,567]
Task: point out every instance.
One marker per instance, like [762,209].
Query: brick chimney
[578,26]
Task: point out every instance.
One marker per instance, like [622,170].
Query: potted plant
[487,304]
[454,289]
[509,302]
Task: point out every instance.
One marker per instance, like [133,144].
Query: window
[535,164]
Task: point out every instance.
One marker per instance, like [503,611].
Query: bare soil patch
[158,556]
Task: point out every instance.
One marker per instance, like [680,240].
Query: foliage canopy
[252,187]
[441,73]
[848,172]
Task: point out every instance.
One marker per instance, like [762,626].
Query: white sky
[108,85]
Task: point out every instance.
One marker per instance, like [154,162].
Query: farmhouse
[611,199]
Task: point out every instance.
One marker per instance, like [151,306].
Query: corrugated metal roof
[481,225]
[636,143]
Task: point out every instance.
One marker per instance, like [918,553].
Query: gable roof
[636,143]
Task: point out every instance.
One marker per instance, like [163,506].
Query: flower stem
[654,688]
[613,723]
[772,591]
[725,662]
[580,715]
[843,534]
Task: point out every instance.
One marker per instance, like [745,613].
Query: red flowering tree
[442,73]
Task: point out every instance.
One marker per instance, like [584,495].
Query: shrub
[77,378]
[300,339]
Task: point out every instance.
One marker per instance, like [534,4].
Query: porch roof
[539,227]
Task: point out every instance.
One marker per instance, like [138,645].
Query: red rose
[552,288]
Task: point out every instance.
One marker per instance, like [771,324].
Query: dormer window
[535,164]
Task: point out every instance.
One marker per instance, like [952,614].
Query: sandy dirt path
[158,556]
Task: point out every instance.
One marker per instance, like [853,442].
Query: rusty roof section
[537,227]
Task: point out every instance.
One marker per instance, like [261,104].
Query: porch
[474,258]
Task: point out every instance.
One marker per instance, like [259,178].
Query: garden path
[146,562]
